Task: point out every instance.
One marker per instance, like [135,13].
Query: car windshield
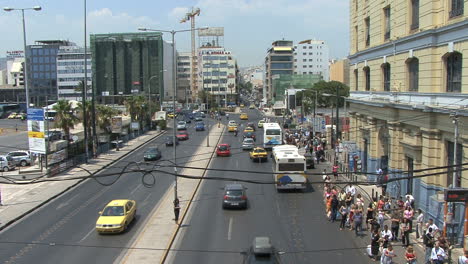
[273,132]
[182,133]
[248,140]
[234,192]
[223,147]
[200,124]
[181,123]
[113,211]
[152,150]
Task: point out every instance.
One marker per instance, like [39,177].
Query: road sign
[456,195]
[36,131]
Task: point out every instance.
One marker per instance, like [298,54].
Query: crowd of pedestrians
[389,224]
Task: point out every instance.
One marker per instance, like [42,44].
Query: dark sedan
[152,154]
[170,141]
[249,135]
[234,196]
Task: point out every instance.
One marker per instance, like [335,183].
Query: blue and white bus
[272,135]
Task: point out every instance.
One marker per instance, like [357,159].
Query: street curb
[4,226]
[176,232]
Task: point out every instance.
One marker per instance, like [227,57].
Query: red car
[182,135]
[223,150]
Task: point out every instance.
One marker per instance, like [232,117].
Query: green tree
[79,87]
[65,119]
[104,117]
[87,109]
[327,93]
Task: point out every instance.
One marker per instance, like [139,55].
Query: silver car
[248,144]
[7,163]
[21,158]
[181,125]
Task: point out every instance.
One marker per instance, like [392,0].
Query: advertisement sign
[12,54]
[319,124]
[57,156]
[211,31]
[116,125]
[135,126]
[36,131]
[160,115]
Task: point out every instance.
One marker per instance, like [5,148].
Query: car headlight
[98,225]
[117,226]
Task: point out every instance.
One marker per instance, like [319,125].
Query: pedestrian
[395,223]
[438,255]
[334,207]
[463,259]
[359,201]
[342,197]
[374,225]
[352,211]
[386,236]
[328,206]
[405,231]
[176,210]
[400,203]
[344,216]
[387,255]
[381,217]
[324,174]
[428,241]
[381,202]
[351,189]
[410,256]
[408,214]
[379,173]
[409,200]
[357,219]
[335,171]
[369,215]
[431,226]
[419,224]
[375,239]
[348,200]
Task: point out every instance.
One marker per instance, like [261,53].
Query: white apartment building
[15,73]
[218,74]
[70,72]
[311,57]
[168,72]
[183,76]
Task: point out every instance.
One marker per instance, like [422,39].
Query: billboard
[211,31]
[319,124]
[36,131]
[116,124]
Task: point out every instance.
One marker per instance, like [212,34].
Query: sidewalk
[21,199]
[160,230]
[364,240]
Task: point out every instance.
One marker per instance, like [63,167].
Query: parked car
[248,144]
[234,196]
[53,135]
[170,141]
[152,154]
[7,163]
[20,158]
[116,216]
[223,150]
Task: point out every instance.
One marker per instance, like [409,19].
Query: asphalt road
[12,142]
[295,222]
[63,230]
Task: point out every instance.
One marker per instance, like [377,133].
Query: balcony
[456,12]
[427,102]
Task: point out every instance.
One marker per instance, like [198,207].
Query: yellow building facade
[339,71]
[409,92]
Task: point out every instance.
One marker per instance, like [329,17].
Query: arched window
[413,74]
[454,72]
[386,76]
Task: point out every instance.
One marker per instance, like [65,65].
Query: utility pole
[454,117]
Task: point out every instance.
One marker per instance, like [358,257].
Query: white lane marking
[278,208]
[136,188]
[66,203]
[230,228]
[89,233]
[146,199]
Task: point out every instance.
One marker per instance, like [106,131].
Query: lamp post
[25,71]
[174,72]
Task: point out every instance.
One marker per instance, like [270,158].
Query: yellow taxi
[12,116]
[248,129]
[171,115]
[116,216]
[258,154]
[232,127]
[242,105]
[244,116]
[251,107]
[260,123]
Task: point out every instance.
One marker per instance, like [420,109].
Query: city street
[295,222]
[64,229]
[11,140]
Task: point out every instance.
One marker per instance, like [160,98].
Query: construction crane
[193,74]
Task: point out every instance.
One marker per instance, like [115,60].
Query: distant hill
[2,63]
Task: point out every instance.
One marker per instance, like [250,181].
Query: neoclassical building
[409,92]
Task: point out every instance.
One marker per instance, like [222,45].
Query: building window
[367,25]
[367,77]
[304,60]
[310,47]
[311,53]
[413,74]
[387,22]
[356,79]
[456,8]
[304,66]
[304,47]
[414,14]
[305,53]
[356,38]
[386,76]
[454,72]
[311,60]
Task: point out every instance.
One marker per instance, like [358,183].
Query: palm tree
[104,117]
[79,87]
[65,119]
[88,109]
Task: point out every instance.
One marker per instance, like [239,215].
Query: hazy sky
[250,26]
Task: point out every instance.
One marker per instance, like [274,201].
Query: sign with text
[319,124]
[36,131]
[116,124]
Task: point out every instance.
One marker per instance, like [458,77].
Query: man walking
[334,208]
[438,254]
[428,241]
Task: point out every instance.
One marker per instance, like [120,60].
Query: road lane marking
[136,188]
[146,199]
[89,233]
[278,208]
[66,203]
[230,228]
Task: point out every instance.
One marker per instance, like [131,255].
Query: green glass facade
[285,81]
[124,63]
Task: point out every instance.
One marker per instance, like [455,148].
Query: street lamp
[174,72]
[25,77]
